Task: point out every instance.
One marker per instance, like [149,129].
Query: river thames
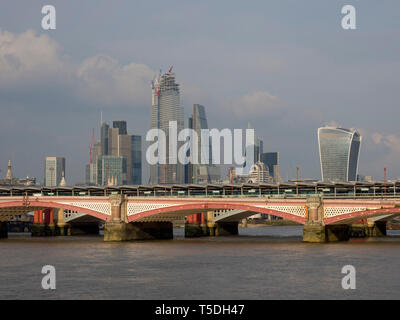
[261,263]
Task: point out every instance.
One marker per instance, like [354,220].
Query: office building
[202,173]
[111,170]
[104,138]
[54,168]
[165,108]
[117,143]
[259,174]
[136,150]
[121,126]
[271,162]
[339,150]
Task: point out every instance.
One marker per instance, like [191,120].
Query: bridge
[147,212]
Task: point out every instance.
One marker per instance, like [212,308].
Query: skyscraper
[113,141]
[111,170]
[202,173]
[339,153]
[124,164]
[136,150]
[104,138]
[165,108]
[121,125]
[271,161]
[130,147]
[54,168]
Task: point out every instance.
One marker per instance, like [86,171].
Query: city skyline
[285,85]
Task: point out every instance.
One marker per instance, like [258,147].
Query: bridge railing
[213,191]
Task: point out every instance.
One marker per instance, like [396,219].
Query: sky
[285,66]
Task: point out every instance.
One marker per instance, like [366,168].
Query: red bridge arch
[201,207]
[49,204]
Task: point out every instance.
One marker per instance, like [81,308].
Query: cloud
[104,80]
[255,104]
[27,57]
[391,141]
[333,123]
[377,138]
[30,61]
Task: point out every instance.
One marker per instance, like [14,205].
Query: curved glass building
[339,151]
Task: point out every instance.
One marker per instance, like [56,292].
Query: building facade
[54,168]
[111,170]
[339,151]
[271,162]
[164,109]
[202,173]
[104,138]
[125,155]
[121,126]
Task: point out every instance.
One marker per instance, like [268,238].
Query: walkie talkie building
[339,151]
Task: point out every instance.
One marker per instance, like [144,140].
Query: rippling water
[261,263]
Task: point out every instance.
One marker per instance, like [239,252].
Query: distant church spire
[9,175]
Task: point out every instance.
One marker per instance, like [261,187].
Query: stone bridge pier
[119,229]
[314,230]
[368,228]
[203,225]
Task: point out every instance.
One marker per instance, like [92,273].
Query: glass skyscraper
[104,138]
[121,125]
[339,151]
[202,173]
[54,168]
[136,151]
[271,161]
[165,108]
[111,170]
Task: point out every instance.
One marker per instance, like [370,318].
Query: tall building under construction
[166,107]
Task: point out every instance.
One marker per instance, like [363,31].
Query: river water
[261,263]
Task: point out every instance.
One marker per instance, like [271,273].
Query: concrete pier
[82,228]
[43,230]
[369,228]
[3,230]
[193,230]
[316,231]
[226,229]
[121,231]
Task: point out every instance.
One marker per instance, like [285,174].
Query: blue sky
[287,67]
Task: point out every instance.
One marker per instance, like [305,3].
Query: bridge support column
[119,229]
[196,225]
[83,228]
[63,228]
[368,228]
[316,231]
[226,229]
[43,225]
[3,230]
